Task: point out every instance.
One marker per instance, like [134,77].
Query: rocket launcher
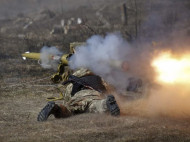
[37,56]
[59,62]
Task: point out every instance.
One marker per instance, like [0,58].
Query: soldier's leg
[91,101]
[105,105]
[81,101]
[97,106]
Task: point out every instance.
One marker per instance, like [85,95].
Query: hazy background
[10,8]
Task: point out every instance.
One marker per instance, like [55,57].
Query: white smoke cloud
[46,54]
[104,56]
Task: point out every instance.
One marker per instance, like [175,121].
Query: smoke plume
[46,54]
[105,56]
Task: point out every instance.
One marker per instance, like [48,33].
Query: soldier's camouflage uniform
[84,100]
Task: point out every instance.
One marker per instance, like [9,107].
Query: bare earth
[18,123]
[21,103]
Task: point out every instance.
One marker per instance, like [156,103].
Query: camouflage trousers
[86,101]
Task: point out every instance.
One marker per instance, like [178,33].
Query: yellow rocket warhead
[31,55]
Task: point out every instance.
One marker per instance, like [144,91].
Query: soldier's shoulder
[82,72]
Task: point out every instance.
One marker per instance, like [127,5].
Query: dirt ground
[25,85]
[18,122]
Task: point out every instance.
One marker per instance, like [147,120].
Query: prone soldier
[85,92]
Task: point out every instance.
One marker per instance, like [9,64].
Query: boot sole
[112,105]
[45,112]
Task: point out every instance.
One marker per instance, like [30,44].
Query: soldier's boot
[46,111]
[112,105]
[52,108]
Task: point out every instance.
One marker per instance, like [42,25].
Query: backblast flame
[171,69]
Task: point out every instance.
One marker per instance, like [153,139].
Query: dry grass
[19,110]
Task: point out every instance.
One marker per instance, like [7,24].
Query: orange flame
[171,69]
